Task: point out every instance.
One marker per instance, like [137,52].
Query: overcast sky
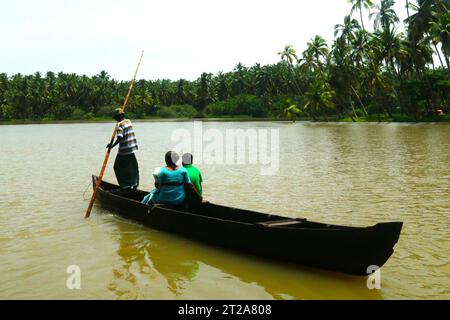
[181,38]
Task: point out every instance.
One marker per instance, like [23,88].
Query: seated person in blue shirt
[170,183]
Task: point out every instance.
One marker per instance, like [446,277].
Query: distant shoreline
[398,119]
[11,123]
[161,120]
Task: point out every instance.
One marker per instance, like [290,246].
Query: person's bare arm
[195,191]
[111,146]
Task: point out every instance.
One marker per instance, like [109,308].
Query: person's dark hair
[119,118]
[188,159]
[171,159]
[118,114]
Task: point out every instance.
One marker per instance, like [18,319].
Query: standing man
[196,178]
[125,167]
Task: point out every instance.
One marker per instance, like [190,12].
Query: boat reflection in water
[159,265]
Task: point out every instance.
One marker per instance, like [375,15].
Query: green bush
[166,112]
[200,115]
[241,105]
[6,112]
[278,104]
[177,111]
[88,116]
[106,111]
[151,110]
[77,114]
[185,111]
[61,112]
[134,112]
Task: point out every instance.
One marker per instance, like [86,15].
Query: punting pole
[108,151]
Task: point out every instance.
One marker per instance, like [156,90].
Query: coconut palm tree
[289,55]
[292,112]
[239,84]
[360,46]
[419,22]
[384,14]
[420,52]
[428,18]
[344,78]
[204,91]
[440,32]
[389,42]
[319,98]
[346,30]
[316,53]
[358,5]
[264,82]
[4,84]
[222,86]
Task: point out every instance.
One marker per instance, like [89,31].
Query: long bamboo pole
[108,152]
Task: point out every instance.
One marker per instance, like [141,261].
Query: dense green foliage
[363,74]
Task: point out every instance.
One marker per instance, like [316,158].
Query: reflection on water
[351,174]
[185,265]
[148,256]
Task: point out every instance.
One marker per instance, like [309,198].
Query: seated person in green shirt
[195,177]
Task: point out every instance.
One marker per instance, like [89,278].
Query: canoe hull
[343,249]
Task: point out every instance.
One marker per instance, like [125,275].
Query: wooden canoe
[350,250]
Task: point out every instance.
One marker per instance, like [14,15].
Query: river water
[350,174]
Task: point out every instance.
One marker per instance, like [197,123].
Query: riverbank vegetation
[395,71]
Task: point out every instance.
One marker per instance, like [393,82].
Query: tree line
[361,74]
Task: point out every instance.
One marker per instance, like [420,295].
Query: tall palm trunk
[447,61]
[407,9]
[439,55]
[360,101]
[294,78]
[396,72]
[362,21]
[354,111]
[411,32]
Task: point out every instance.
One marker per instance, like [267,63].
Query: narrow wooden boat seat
[282,223]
